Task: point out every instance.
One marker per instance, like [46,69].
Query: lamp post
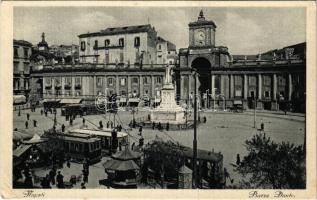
[214,95]
[254,112]
[195,134]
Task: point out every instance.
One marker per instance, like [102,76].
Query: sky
[242,30]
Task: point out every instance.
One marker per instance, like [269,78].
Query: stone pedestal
[168,111]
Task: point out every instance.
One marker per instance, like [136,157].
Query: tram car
[80,109]
[77,146]
[109,138]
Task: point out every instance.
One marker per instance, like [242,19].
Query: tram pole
[195,135]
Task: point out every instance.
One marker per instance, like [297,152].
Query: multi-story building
[121,60]
[166,52]
[274,77]
[21,67]
[120,45]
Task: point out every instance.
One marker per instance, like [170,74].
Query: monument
[168,111]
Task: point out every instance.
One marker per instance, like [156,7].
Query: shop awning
[19,99]
[50,100]
[71,101]
[21,150]
[237,102]
[123,100]
[134,100]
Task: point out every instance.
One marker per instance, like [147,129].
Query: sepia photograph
[160,97]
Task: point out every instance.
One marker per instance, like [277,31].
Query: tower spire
[43,37]
[201,15]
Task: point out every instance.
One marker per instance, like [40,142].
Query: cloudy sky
[242,30]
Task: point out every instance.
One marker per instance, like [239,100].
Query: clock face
[200,38]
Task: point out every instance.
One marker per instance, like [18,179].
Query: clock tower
[202,32]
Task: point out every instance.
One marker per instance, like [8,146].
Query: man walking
[27,116]
[26,124]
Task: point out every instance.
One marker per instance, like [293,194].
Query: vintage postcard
[151,99]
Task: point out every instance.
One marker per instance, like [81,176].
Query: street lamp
[214,96]
[194,184]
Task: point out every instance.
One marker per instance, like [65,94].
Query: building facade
[21,67]
[121,60]
[224,79]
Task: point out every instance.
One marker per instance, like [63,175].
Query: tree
[272,165]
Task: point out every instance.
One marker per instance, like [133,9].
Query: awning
[136,100]
[237,102]
[19,99]
[21,150]
[71,101]
[50,100]
[123,100]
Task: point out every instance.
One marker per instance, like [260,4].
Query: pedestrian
[238,159]
[148,117]
[111,124]
[198,118]
[108,124]
[262,126]
[52,175]
[63,128]
[19,113]
[140,131]
[28,182]
[167,126]
[141,141]
[120,146]
[153,125]
[83,185]
[133,144]
[100,125]
[204,119]
[159,126]
[84,121]
[59,180]
[26,124]
[41,111]
[85,174]
[45,113]
[34,123]
[27,116]
[71,121]
[68,161]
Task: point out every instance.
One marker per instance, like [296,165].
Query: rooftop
[120,30]
[22,43]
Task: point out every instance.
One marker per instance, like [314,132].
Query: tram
[78,147]
[107,137]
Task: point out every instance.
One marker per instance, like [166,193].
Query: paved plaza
[224,132]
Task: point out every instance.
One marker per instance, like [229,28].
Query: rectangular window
[68,81]
[110,81]
[82,46]
[77,80]
[237,80]
[57,81]
[26,52]
[252,80]
[96,44]
[158,80]
[107,57]
[122,81]
[16,54]
[107,43]
[48,81]
[145,80]
[99,81]
[121,42]
[135,80]
[137,41]
[267,94]
[267,80]
[121,57]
